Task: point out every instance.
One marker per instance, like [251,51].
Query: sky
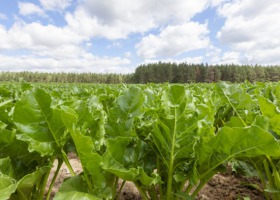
[116,36]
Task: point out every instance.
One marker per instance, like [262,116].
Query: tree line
[159,73]
[198,73]
[39,77]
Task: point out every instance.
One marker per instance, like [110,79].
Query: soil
[223,186]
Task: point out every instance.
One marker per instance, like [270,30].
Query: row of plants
[168,139]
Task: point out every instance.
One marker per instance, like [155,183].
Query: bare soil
[223,186]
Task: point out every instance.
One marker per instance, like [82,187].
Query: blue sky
[117,36]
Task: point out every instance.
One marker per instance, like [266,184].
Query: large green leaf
[130,160]
[91,117]
[24,162]
[178,128]
[234,142]
[7,186]
[90,160]
[39,124]
[123,113]
[74,189]
[6,167]
[27,185]
[271,111]
[183,122]
[235,101]
[6,136]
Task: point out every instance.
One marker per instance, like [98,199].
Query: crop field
[168,139]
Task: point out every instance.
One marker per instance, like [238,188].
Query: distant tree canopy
[66,77]
[159,73]
[188,73]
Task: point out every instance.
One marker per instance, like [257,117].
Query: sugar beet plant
[169,140]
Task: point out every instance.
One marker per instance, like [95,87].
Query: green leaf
[7,186]
[248,142]
[39,125]
[6,136]
[74,189]
[31,120]
[23,161]
[123,113]
[128,159]
[26,186]
[236,98]
[91,116]
[6,167]
[90,160]
[271,112]
[183,121]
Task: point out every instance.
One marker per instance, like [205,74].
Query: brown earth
[225,186]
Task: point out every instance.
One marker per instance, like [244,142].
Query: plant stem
[262,180]
[65,159]
[143,194]
[42,186]
[115,187]
[169,181]
[59,164]
[188,189]
[203,181]
[120,190]
[198,188]
[275,174]
[159,172]
[270,178]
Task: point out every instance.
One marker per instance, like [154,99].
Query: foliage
[168,139]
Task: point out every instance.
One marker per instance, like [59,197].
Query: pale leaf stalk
[60,162]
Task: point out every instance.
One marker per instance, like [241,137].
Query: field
[169,140]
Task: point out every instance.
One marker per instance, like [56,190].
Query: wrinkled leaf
[85,149]
[121,116]
[7,186]
[129,159]
[271,112]
[235,142]
[27,184]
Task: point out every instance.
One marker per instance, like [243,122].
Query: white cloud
[230,57]
[251,28]
[26,8]
[55,4]
[3,16]
[112,20]
[89,63]
[52,49]
[13,38]
[49,48]
[215,3]
[174,40]
[35,36]
[263,57]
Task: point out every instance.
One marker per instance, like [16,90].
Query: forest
[160,72]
